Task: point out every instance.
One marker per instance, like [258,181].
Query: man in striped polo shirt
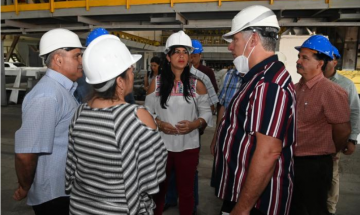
[256,137]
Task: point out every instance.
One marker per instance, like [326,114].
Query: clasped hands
[182,127]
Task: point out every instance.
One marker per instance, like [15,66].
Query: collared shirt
[207,82]
[354,102]
[46,114]
[210,73]
[231,85]
[265,103]
[320,103]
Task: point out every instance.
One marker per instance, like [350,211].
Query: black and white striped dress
[114,162]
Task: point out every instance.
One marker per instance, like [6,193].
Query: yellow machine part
[354,76]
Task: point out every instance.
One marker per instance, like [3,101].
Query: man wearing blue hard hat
[323,127]
[349,87]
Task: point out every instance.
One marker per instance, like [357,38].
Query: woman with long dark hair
[116,157]
[154,71]
[181,106]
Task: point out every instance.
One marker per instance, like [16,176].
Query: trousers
[333,195]
[185,164]
[312,182]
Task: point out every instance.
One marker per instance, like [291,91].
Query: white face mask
[241,62]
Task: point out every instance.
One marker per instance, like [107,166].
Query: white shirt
[178,110]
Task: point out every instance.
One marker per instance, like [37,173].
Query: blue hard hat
[196,44]
[318,43]
[94,34]
[336,52]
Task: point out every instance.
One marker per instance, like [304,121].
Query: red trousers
[185,164]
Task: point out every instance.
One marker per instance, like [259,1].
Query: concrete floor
[209,204]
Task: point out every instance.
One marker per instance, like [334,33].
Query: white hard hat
[58,38]
[179,39]
[105,58]
[253,16]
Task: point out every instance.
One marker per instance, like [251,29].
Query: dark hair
[156,60]
[109,93]
[167,80]
[268,36]
[324,58]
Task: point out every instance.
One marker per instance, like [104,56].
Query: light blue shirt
[46,114]
[354,102]
[231,85]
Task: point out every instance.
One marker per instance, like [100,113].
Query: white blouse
[178,109]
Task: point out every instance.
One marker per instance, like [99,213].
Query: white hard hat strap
[106,86]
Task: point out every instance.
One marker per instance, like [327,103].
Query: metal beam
[320,24]
[180,18]
[183,8]
[162,19]
[12,47]
[349,16]
[87,28]
[317,13]
[89,21]
[19,24]
[209,24]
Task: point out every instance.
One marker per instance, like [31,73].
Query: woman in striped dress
[116,157]
[181,105]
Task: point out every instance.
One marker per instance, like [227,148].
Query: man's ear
[335,63]
[58,59]
[255,39]
[320,64]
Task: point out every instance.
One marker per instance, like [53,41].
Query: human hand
[349,148]
[185,127]
[167,128]
[334,158]
[20,193]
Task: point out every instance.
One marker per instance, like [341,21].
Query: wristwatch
[353,141]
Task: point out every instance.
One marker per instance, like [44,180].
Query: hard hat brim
[136,58]
[228,36]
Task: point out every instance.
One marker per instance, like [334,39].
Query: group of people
[276,146]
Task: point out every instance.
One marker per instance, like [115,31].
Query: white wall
[286,48]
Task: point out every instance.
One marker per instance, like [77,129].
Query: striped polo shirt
[265,103]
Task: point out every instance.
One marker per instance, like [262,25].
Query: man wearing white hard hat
[41,142]
[256,137]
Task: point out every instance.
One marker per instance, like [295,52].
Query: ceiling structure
[291,13]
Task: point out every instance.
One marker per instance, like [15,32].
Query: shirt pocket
[310,111]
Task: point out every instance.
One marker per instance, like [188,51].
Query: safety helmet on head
[252,16]
[196,44]
[58,38]
[105,58]
[94,34]
[179,39]
[336,52]
[318,43]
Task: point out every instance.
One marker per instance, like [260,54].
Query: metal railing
[52,5]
